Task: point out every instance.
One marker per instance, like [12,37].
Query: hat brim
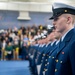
[55,16]
[51,18]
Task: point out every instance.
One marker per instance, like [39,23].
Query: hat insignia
[65,10]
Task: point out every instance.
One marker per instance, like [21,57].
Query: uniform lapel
[53,49]
[65,42]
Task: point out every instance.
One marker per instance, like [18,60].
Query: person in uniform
[49,66]
[49,46]
[63,20]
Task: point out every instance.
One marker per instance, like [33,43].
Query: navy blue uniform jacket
[66,55]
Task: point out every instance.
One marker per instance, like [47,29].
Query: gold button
[43,54]
[60,61]
[55,70]
[46,69]
[52,57]
[49,56]
[45,64]
[56,60]
[48,63]
[65,10]
[46,59]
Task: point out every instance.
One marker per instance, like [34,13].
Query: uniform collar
[53,42]
[57,42]
[48,44]
[65,34]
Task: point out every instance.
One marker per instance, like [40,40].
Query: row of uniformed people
[41,53]
[51,56]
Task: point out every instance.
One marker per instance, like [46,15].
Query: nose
[54,23]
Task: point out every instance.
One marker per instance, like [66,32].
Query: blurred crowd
[15,43]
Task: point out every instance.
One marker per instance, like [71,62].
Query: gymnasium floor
[14,68]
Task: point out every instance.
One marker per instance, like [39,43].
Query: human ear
[68,20]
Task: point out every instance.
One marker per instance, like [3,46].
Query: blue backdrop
[8,19]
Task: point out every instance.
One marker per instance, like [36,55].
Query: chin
[58,30]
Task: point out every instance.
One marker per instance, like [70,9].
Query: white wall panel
[28,6]
[3,0]
[34,7]
[3,6]
[12,6]
[24,7]
[45,8]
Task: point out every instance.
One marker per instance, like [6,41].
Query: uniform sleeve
[72,58]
